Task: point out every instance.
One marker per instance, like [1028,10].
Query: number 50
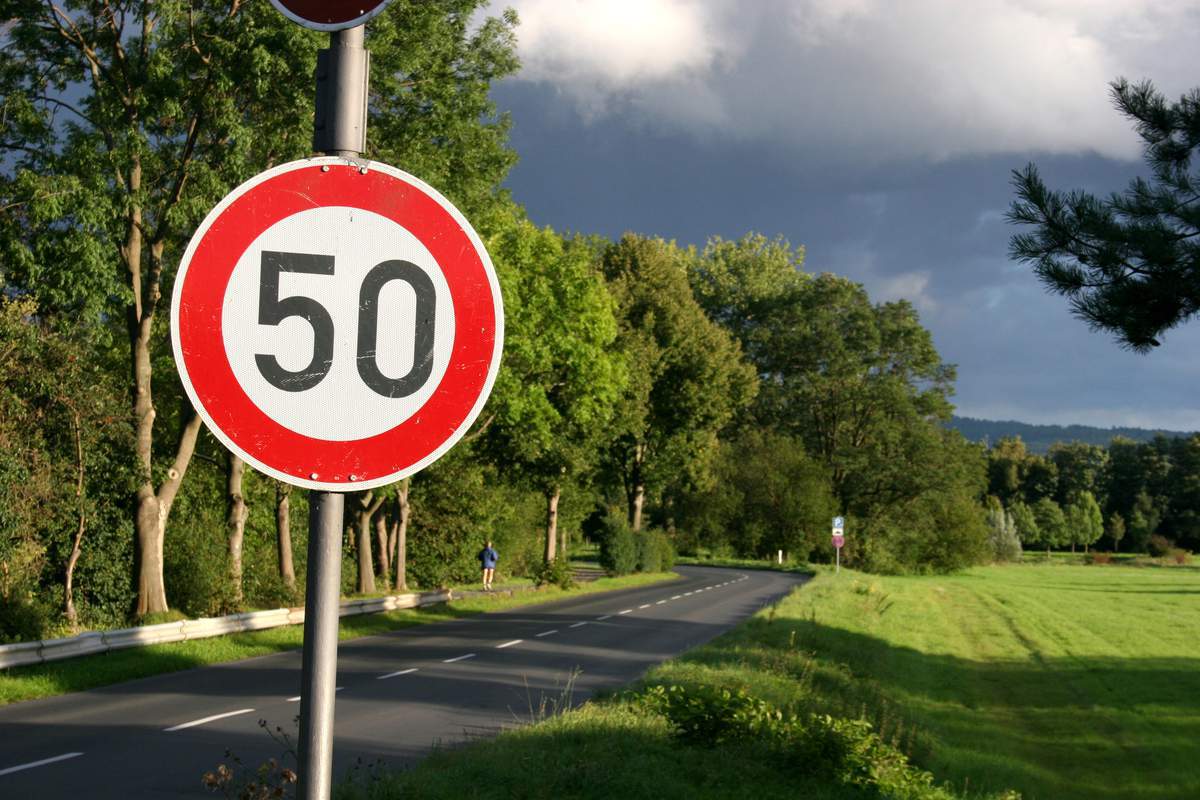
[273,309]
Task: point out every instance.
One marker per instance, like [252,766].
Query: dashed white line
[660,602]
[626,611]
[601,619]
[296,699]
[578,624]
[394,674]
[458,658]
[644,605]
[509,644]
[213,718]
[41,763]
[546,633]
[676,596]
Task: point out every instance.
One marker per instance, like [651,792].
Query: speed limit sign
[337,324]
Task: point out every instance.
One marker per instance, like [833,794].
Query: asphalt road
[400,693]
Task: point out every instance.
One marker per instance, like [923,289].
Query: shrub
[618,547]
[22,620]
[555,573]
[1180,556]
[1099,558]
[655,553]
[1159,545]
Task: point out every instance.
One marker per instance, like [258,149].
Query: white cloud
[879,79]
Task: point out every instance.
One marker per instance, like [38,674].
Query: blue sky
[880,136]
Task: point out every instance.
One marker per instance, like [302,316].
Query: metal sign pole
[339,129]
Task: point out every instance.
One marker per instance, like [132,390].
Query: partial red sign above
[338,324]
[330,15]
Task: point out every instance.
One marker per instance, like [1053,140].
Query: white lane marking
[458,658]
[601,619]
[644,605]
[509,644]
[546,633]
[676,596]
[626,611]
[577,625]
[660,602]
[394,674]
[41,763]
[296,699]
[688,594]
[213,718]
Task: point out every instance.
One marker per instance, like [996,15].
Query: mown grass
[1057,681]
[706,560]
[89,672]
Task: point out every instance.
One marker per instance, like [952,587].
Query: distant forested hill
[1038,438]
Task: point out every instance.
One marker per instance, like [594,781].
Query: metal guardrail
[24,653]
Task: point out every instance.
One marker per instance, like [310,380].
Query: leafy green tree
[127,120]
[1115,530]
[1006,466]
[561,377]
[1080,469]
[1002,533]
[1127,263]
[1051,524]
[1144,519]
[687,377]
[1025,522]
[1039,479]
[1085,523]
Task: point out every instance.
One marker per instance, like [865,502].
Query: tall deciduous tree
[561,376]
[687,375]
[125,121]
[1127,263]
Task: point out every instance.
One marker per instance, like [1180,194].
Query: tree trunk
[283,533]
[636,488]
[152,507]
[381,546]
[368,504]
[77,543]
[235,523]
[552,523]
[401,551]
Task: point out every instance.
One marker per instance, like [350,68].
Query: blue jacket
[488,558]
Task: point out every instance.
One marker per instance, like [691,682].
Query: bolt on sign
[337,323]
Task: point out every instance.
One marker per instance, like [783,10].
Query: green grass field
[1057,681]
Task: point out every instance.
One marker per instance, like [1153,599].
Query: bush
[22,620]
[1159,545]
[655,552]
[1180,556]
[618,547]
[1099,558]
[556,573]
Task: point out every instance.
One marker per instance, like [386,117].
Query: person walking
[487,559]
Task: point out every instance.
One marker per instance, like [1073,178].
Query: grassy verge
[1056,681]
[89,672]
[744,563]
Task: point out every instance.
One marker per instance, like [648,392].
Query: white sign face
[337,324]
[316,411]
[839,522]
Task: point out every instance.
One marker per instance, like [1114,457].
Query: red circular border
[206,277]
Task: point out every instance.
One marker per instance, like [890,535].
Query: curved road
[400,693]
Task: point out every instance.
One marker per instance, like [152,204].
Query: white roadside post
[338,325]
[839,539]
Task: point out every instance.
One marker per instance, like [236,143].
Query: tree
[561,377]
[1051,524]
[1025,523]
[687,376]
[1144,519]
[1084,521]
[1002,532]
[1006,467]
[1080,469]
[1128,263]
[1115,529]
[127,120]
